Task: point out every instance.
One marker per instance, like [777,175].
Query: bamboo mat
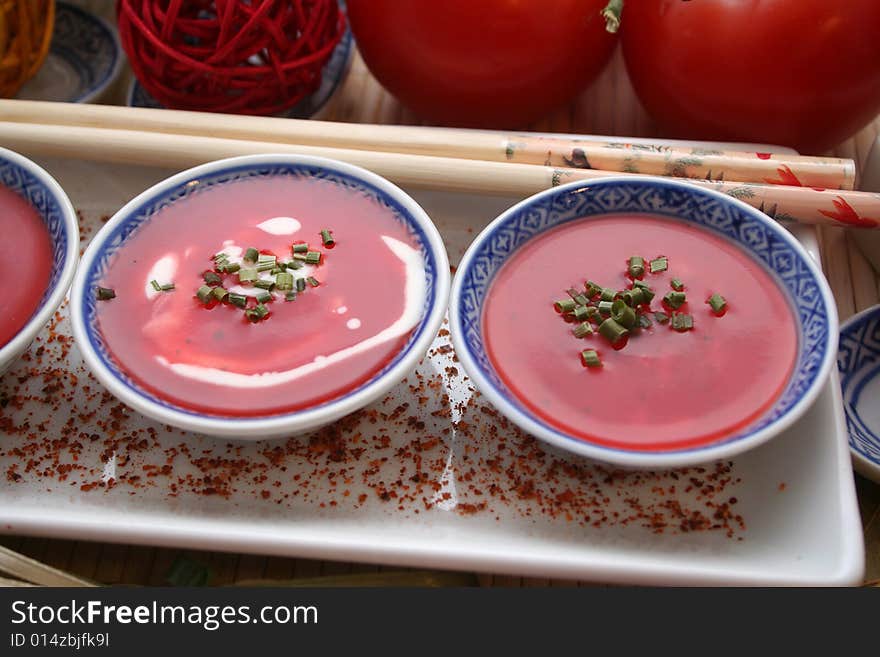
[608,107]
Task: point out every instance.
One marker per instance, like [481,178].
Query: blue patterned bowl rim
[333,74]
[765,240]
[43,192]
[858,361]
[139,210]
[109,38]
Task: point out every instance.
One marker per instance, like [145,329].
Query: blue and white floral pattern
[768,243]
[200,184]
[858,362]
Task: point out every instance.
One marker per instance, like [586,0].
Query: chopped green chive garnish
[237,300]
[718,303]
[623,314]
[612,331]
[674,300]
[105,294]
[581,313]
[583,330]
[617,313]
[248,275]
[579,297]
[659,264]
[167,287]
[565,305]
[256,263]
[212,278]
[284,281]
[636,296]
[636,267]
[205,293]
[156,285]
[257,313]
[590,358]
[682,322]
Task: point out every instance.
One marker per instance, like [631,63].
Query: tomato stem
[611,14]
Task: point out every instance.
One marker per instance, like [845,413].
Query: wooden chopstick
[807,205]
[31,570]
[620,156]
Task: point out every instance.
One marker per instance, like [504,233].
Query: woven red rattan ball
[235,56]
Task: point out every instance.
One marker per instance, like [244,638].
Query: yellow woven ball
[25,34]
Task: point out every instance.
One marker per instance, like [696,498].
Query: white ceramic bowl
[139,211]
[795,272]
[42,191]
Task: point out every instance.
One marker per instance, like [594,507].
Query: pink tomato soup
[665,390]
[26,247]
[326,342]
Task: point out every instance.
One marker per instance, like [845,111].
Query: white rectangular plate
[441,482]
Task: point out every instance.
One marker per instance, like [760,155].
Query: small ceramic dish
[858,362]
[424,304]
[311,107]
[771,247]
[84,59]
[32,183]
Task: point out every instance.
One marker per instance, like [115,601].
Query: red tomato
[490,63]
[802,73]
